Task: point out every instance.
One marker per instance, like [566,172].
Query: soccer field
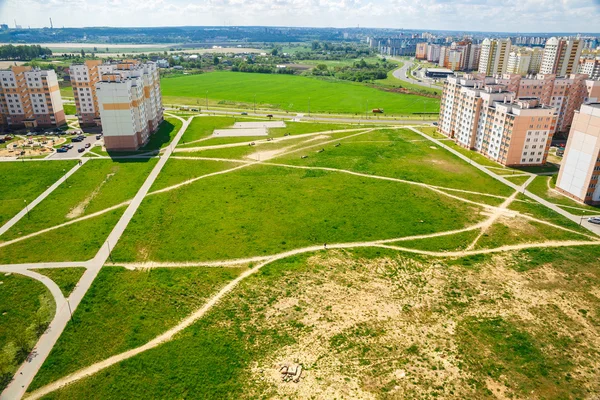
[290,93]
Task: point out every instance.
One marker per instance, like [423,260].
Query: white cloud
[483,15]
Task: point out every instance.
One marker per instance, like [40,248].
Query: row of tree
[359,71]
[23,53]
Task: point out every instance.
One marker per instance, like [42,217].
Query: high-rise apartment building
[524,61]
[561,56]
[494,56]
[83,79]
[433,53]
[130,104]
[579,175]
[590,67]
[30,97]
[482,115]
[421,51]
[123,97]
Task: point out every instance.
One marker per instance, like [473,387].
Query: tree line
[23,53]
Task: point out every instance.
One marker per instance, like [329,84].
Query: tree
[274,52]
[82,53]
[216,60]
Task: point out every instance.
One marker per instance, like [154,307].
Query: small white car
[594,220]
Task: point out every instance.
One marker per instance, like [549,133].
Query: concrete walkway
[25,374]
[39,199]
[591,227]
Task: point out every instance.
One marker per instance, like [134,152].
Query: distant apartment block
[421,51]
[480,114]
[590,67]
[494,56]
[123,97]
[30,97]
[579,174]
[524,61]
[433,53]
[561,56]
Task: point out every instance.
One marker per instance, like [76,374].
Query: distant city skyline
[526,16]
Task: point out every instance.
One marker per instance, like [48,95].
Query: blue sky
[483,15]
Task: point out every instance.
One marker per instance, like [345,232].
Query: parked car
[594,220]
[87,145]
[70,146]
[62,150]
[80,150]
[435,124]
[244,113]
[98,137]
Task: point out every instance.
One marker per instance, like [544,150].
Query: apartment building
[480,114]
[494,56]
[524,61]
[30,97]
[83,79]
[129,102]
[590,67]
[579,174]
[561,56]
[421,51]
[433,53]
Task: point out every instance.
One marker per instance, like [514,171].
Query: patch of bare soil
[369,328]
[79,209]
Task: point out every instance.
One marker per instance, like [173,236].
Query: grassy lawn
[290,93]
[517,180]
[65,278]
[539,186]
[66,91]
[359,322]
[262,210]
[179,170]
[542,212]
[26,309]
[458,241]
[70,109]
[97,185]
[77,242]
[402,154]
[26,181]
[165,134]
[125,309]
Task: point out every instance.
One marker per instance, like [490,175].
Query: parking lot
[71,153]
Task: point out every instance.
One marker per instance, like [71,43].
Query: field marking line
[85,217]
[210,303]
[10,223]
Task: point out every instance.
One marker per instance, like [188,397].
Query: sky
[461,15]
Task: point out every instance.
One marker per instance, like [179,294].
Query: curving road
[402,74]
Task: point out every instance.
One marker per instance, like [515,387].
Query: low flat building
[579,173]
[438,72]
[30,98]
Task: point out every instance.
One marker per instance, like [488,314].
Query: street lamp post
[70,311]
[66,179]
[109,251]
[207,100]
[26,208]
[309,106]
[255,104]
[581,220]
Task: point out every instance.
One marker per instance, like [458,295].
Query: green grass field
[290,93]
[263,210]
[148,302]
[65,278]
[542,185]
[97,185]
[26,308]
[361,321]
[70,109]
[26,181]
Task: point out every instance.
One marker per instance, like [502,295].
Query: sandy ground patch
[79,209]
[240,132]
[31,147]
[259,124]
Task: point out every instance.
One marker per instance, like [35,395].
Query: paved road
[25,374]
[41,197]
[552,206]
[402,74]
